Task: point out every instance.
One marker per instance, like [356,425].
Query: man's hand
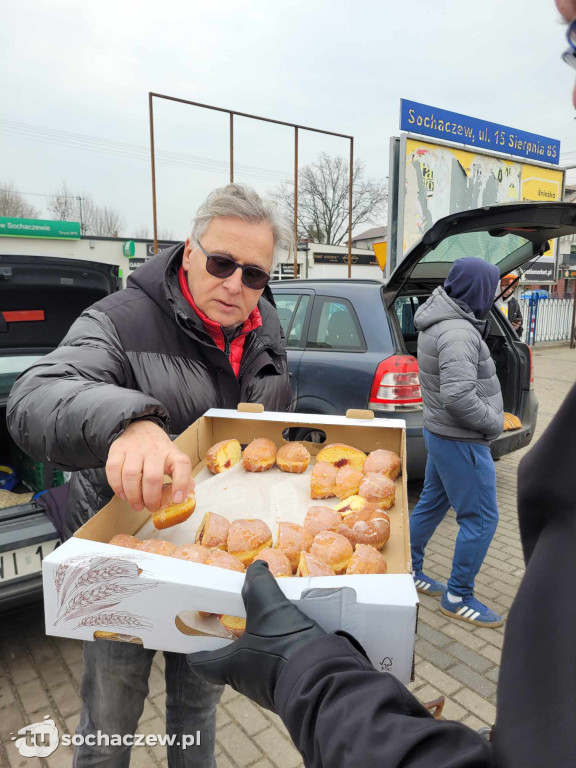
[138,461]
[275,630]
[516,325]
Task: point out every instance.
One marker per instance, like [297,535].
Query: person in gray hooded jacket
[463,412]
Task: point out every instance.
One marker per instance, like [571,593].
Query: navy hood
[473,282]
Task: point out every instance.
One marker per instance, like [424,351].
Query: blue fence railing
[546,319]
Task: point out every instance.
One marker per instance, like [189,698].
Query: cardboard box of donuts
[331,520]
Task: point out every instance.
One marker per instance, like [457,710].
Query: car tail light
[396,385]
[531,367]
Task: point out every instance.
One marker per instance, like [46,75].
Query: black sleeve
[69,406]
[341,713]
[537,683]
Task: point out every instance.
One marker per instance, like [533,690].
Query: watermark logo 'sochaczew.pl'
[38,739]
[42,739]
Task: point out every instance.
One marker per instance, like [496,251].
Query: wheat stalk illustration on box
[88,586]
[119,619]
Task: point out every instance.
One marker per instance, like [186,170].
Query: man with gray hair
[195,328]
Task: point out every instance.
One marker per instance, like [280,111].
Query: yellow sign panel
[541,184]
[380,249]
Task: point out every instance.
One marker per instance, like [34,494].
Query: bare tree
[63,205]
[165,234]
[66,205]
[142,233]
[107,222]
[102,221]
[13,204]
[323,199]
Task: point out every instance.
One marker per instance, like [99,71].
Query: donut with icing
[223,455]
[293,457]
[332,548]
[259,455]
[322,480]
[246,538]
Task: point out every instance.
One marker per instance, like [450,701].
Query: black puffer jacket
[139,353]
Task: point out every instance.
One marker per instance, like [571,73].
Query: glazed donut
[332,548]
[156,547]
[322,480]
[375,531]
[171,514]
[234,624]
[383,463]
[222,559]
[366,559]
[196,553]
[246,538]
[308,565]
[293,539]
[378,488]
[213,531]
[117,637]
[278,563]
[259,455]
[348,482]
[125,540]
[322,519]
[355,504]
[341,455]
[223,455]
[293,457]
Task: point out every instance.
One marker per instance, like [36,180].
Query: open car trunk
[40,297]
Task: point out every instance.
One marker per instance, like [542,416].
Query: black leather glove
[275,630]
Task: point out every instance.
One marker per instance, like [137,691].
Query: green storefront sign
[54,230]
[129,249]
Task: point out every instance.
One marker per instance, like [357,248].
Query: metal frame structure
[232,114]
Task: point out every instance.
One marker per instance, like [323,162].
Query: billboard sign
[367,258]
[435,180]
[51,230]
[161,247]
[539,272]
[452,126]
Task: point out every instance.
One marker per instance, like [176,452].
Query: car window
[285,306]
[295,339]
[494,248]
[405,308]
[334,325]
[10,367]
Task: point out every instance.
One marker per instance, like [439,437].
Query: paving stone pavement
[40,675]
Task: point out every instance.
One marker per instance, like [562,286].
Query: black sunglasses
[224,266]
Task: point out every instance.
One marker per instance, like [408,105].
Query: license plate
[25,561]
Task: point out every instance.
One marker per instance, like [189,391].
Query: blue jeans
[459,475]
[114,687]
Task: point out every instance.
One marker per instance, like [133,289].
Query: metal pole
[572,340]
[80,206]
[153,162]
[350,206]
[296,201]
[231,147]
[245,114]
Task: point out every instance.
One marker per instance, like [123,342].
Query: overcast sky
[85,68]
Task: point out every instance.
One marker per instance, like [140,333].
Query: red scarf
[215,330]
